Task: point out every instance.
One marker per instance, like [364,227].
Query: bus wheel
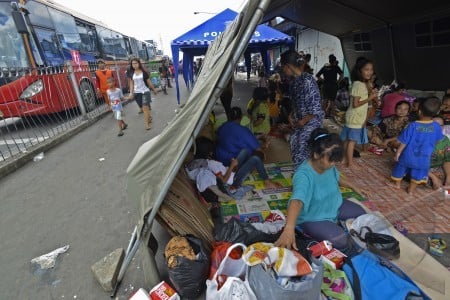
[88,95]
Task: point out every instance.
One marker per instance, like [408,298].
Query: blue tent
[196,42]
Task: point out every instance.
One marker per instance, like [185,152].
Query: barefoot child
[355,118]
[417,142]
[115,96]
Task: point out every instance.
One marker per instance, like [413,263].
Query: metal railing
[61,99]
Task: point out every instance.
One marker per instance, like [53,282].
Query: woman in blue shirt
[316,204]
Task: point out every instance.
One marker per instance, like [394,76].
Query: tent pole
[394,61]
[133,238]
[128,257]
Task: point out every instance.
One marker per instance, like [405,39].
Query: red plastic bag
[218,254]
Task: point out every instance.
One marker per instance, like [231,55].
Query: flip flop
[437,245]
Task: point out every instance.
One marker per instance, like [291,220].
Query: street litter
[101,159]
[39,157]
[47,261]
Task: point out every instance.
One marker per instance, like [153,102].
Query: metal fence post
[76,88]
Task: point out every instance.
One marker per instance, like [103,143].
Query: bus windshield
[12,50]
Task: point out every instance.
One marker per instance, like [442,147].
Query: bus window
[143,51]
[66,28]
[48,41]
[88,38]
[12,51]
[112,43]
[39,14]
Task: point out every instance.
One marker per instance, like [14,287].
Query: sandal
[437,245]
[376,150]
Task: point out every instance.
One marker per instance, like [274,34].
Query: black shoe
[120,133]
[124,126]
[356,153]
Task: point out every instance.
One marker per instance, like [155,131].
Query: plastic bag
[266,287]
[235,231]
[230,281]
[188,276]
[336,284]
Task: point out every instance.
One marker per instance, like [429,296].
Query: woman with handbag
[316,204]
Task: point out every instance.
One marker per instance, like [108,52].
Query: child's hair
[403,102]
[236,113]
[204,148]
[291,57]
[356,73]
[260,94]
[430,106]
[344,83]
[272,89]
[323,143]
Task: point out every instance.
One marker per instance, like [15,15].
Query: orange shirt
[102,75]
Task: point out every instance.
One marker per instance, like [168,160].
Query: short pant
[143,99]
[417,175]
[352,134]
[118,114]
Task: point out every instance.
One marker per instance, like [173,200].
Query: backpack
[375,278]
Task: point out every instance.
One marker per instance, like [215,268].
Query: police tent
[196,41]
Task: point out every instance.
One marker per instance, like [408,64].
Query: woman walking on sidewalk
[140,85]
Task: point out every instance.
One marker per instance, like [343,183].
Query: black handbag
[378,243]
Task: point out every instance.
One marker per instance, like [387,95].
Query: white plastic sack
[234,288]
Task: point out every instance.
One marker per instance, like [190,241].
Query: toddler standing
[115,96]
[417,142]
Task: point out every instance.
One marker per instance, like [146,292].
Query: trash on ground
[39,157]
[101,159]
[47,261]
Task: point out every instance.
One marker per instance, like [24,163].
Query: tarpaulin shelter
[156,163]
[195,43]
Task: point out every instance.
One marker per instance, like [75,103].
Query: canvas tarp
[195,43]
[157,162]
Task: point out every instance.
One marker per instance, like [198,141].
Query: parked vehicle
[38,39]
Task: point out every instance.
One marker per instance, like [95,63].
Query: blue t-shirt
[232,137]
[420,138]
[319,193]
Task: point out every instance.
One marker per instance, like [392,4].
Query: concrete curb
[21,159]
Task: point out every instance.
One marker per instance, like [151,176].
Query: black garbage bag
[235,231]
[189,276]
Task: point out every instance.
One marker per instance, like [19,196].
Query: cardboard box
[163,291]
[321,248]
[334,258]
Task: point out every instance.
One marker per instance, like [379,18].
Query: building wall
[420,68]
[380,54]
